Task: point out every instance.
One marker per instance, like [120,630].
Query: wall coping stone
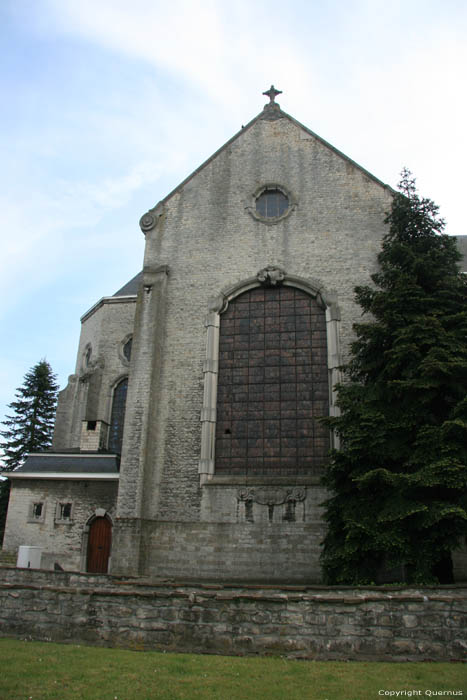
[310,622]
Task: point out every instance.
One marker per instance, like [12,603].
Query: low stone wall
[312,622]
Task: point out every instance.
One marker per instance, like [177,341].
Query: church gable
[269,117]
[217,400]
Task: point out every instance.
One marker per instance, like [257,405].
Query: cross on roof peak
[272,94]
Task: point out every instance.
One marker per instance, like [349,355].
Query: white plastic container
[29,557]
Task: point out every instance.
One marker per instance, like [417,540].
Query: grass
[46,671]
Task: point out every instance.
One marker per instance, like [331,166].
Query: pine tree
[30,428]
[399,480]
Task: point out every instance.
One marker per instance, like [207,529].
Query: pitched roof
[64,464]
[131,287]
[270,112]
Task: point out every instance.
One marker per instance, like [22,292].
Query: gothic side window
[117,418]
[272,385]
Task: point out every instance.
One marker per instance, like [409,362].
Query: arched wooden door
[99,543]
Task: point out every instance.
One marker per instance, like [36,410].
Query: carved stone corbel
[271,276]
[149,220]
[93,367]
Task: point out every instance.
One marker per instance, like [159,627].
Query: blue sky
[107,105]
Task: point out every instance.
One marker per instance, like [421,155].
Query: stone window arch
[271,364]
[125,349]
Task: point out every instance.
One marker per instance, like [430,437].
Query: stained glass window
[117,418]
[272,385]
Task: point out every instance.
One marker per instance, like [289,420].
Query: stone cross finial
[272,94]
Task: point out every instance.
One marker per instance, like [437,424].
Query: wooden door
[99,543]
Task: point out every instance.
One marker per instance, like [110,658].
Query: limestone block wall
[62,541]
[206,237]
[380,623]
[272,552]
[100,365]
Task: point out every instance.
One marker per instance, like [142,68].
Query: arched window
[117,419]
[272,385]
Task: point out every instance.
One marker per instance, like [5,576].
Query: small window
[36,512]
[64,511]
[272,203]
[37,509]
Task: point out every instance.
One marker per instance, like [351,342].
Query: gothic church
[188,443]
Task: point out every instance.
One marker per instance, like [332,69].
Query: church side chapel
[188,442]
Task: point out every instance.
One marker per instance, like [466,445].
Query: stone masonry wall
[62,541]
[381,623]
[88,395]
[206,240]
[275,552]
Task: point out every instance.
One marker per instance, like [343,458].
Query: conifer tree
[29,428]
[399,481]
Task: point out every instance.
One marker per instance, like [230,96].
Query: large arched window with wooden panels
[117,418]
[272,385]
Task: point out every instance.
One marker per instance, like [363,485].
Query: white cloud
[150,89]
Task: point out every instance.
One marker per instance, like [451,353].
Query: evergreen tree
[30,428]
[399,480]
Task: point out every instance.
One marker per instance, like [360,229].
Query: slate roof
[75,463]
[131,287]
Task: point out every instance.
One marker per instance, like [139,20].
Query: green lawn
[40,671]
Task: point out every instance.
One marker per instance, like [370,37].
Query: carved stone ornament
[147,222]
[217,304]
[93,367]
[272,496]
[271,276]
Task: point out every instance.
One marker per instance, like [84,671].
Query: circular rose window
[272,203]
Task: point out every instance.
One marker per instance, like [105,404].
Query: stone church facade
[188,442]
